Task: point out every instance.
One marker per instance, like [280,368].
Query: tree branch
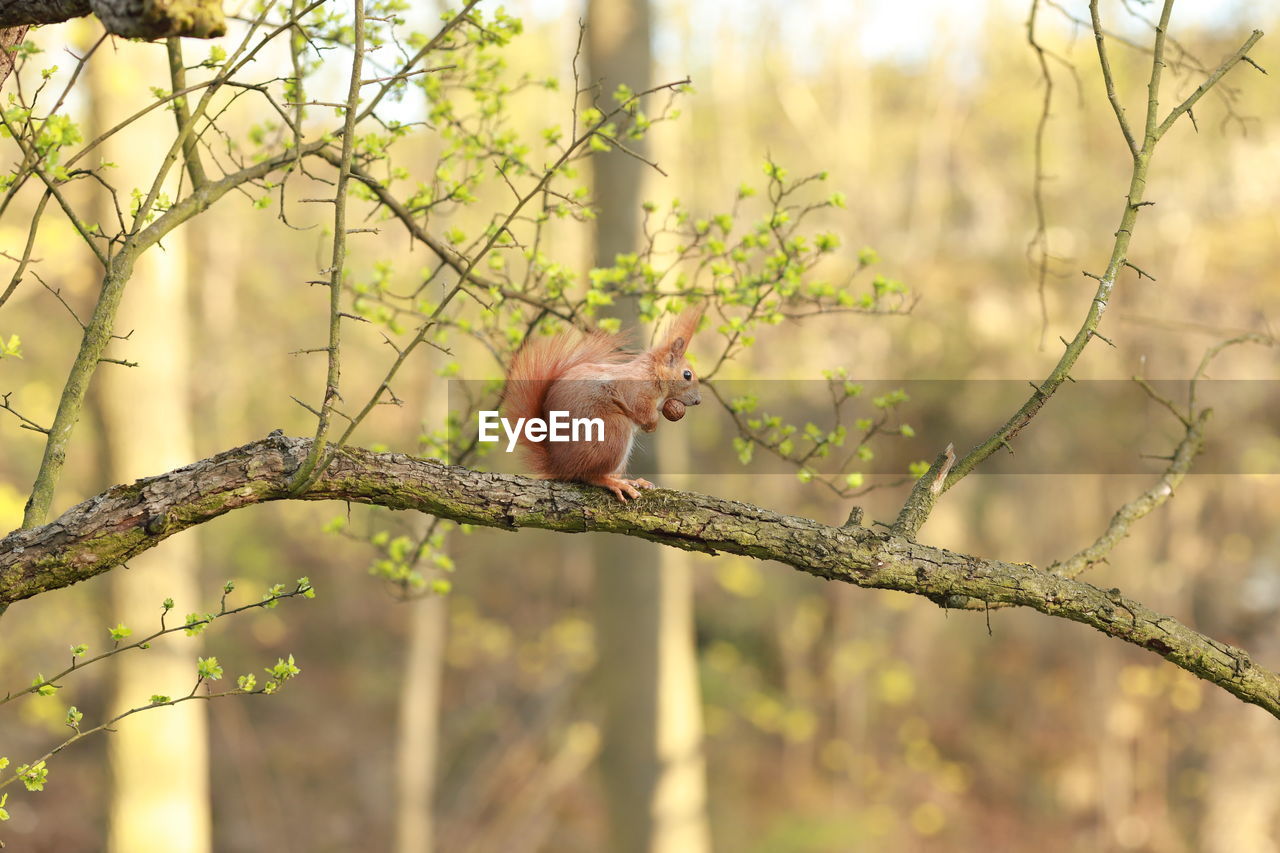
[182,115]
[107,530]
[1227,64]
[144,19]
[337,262]
[918,505]
[1190,446]
[1109,80]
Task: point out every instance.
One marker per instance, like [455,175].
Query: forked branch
[920,502]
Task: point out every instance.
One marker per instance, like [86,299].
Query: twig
[1226,65]
[309,469]
[1109,80]
[27,423]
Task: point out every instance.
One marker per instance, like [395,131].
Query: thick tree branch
[107,530]
[144,19]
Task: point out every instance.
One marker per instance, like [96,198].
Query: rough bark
[10,38]
[144,19]
[103,532]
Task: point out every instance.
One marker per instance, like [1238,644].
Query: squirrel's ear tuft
[675,349]
[682,329]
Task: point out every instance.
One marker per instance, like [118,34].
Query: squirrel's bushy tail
[539,363]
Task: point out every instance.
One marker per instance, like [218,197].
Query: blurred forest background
[834,718]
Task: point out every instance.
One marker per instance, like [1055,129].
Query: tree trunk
[159,767]
[651,760]
[417,750]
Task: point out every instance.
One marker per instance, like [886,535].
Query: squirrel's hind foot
[621,488]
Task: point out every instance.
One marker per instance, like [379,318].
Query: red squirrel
[589,377]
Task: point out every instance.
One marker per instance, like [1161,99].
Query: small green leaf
[33,776]
[208,668]
[11,348]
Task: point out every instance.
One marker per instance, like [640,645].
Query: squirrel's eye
[688,374]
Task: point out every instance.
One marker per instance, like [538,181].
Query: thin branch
[26,422]
[1214,351]
[26,251]
[337,262]
[1153,83]
[57,294]
[107,726]
[1188,448]
[1038,245]
[1109,79]
[438,39]
[300,589]
[1192,443]
[53,189]
[1134,203]
[387,199]
[1227,64]
[182,114]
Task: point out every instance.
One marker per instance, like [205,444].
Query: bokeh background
[833,718]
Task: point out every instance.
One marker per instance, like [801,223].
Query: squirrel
[589,376]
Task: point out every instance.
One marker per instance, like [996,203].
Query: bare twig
[1109,79]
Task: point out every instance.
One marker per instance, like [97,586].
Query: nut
[673,409]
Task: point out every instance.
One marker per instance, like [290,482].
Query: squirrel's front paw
[641,483]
